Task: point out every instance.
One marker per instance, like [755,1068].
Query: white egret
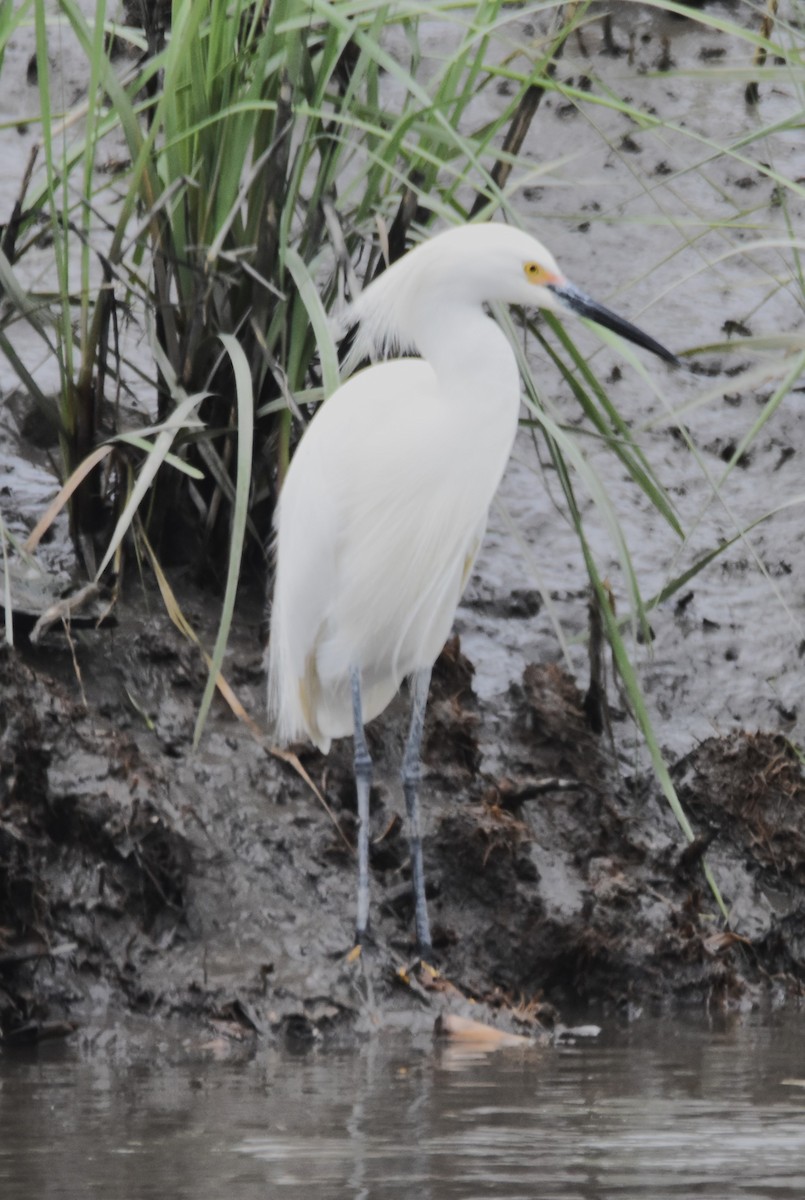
[386,499]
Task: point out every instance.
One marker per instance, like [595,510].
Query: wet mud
[141,876]
[137,875]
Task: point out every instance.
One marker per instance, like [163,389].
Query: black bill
[585,306]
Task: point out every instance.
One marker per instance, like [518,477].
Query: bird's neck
[473,360]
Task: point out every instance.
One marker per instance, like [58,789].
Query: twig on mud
[526,110]
[391,827]
[9,231]
[692,855]
[292,760]
[58,503]
[76,667]
[63,610]
[512,793]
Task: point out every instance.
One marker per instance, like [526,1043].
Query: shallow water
[655,1109]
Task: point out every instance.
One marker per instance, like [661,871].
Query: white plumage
[385,502]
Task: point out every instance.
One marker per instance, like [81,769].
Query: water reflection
[661,1109]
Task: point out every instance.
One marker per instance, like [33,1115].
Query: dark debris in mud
[136,875]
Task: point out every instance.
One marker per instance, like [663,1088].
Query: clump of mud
[588,890]
[746,792]
[137,874]
[89,860]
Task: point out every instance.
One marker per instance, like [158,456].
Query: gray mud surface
[138,875]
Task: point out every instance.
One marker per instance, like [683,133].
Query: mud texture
[139,875]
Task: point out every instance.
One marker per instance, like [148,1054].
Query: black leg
[411,773]
[363,785]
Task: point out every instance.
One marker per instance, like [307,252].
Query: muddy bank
[136,875]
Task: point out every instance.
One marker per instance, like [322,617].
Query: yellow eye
[534,273]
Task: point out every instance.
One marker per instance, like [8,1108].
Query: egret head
[520,270]
[472,265]
[566,297]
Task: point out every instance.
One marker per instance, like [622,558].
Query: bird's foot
[364,944]
[425,959]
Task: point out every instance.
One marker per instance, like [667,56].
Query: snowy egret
[386,499]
